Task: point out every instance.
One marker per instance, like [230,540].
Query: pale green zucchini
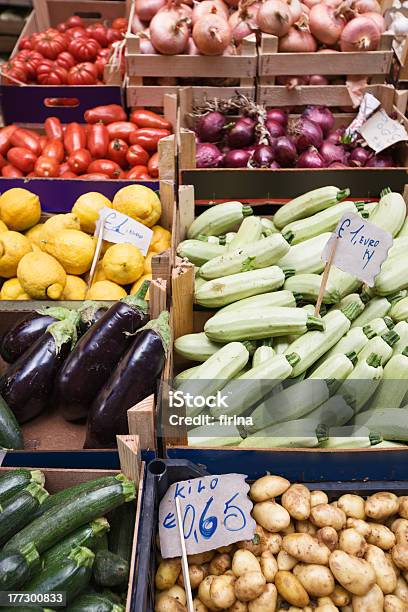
[185,375]
[362,383]
[306,287]
[216,435]
[306,257]
[264,300]
[196,347]
[228,289]
[393,275]
[336,367]
[404,229]
[308,204]
[354,341]
[399,310]
[323,221]
[218,219]
[229,237]
[198,282]
[348,299]
[347,436]
[212,239]
[390,423]
[369,208]
[342,282]
[381,346]
[394,383]
[198,251]
[390,213]
[378,326]
[268,227]
[281,344]
[260,254]
[262,354]
[250,231]
[334,412]
[299,433]
[376,307]
[399,246]
[254,325]
[387,444]
[401,329]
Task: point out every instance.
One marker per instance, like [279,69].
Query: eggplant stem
[161,327]
[137,300]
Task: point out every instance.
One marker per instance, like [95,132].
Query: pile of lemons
[51,259]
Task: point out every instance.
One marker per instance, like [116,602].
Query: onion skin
[381,160]
[274,128]
[209,7]
[169,34]
[208,156]
[137,25]
[378,20]
[318,79]
[333,153]
[336,135]
[242,134]
[310,3]
[212,35]
[285,151]
[210,128]
[263,156]
[274,165]
[295,8]
[359,157]
[147,9]
[191,48]
[325,25]
[337,166]
[279,115]
[146,46]
[310,158]
[367,6]
[360,34]
[274,17]
[320,115]
[307,133]
[238,158]
[297,41]
[243,22]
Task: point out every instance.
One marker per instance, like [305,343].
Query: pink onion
[210,127]
[279,115]
[305,9]
[320,115]
[297,41]
[310,3]
[307,133]
[285,151]
[168,33]
[243,22]
[147,9]
[263,156]
[360,34]
[295,8]
[318,79]
[325,24]
[179,9]
[333,153]
[237,159]
[378,20]
[137,25]
[274,17]
[212,35]
[191,48]
[208,155]
[275,128]
[242,134]
[367,6]
[310,158]
[381,160]
[146,46]
[359,156]
[209,7]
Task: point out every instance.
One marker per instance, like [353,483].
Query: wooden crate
[130,465]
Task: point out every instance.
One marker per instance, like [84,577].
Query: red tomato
[120,23]
[53,128]
[84,49]
[64,168]
[74,22]
[25,43]
[50,73]
[74,137]
[137,156]
[62,27]
[26,139]
[76,33]
[100,64]
[43,140]
[138,173]
[105,53]
[117,151]
[46,167]
[5,135]
[148,138]
[94,176]
[147,119]
[21,158]
[97,31]
[78,161]
[16,73]
[83,74]
[55,150]
[105,166]
[153,166]
[121,129]
[66,60]
[105,114]
[51,43]
[3,162]
[29,60]
[98,140]
[69,174]
[9,171]
[113,35]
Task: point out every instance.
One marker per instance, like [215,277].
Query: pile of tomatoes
[70,54]
[108,146]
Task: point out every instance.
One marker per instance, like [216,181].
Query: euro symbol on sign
[346,223]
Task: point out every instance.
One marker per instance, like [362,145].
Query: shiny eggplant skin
[22,335]
[27,384]
[86,323]
[134,379]
[94,358]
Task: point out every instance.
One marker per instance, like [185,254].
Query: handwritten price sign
[361,249]
[380,131]
[121,228]
[215,510]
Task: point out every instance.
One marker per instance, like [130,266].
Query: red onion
[285,151]
[360,34]
[297,41]
[275,165]
[207,7]
[274,128]
[325,24]
[208,155]
[168,33]
[278,115]
[210,128]
[274,17]
[320,115]
[367,6]
[307,133]
[318,79]
[263,156]
[310,158]
[336,136]
[378,20]
[333,153]
[212,35]
[251,148]
[337,166]
[147,9]
[237,159]
[359,156]
[381,160]
[242,134]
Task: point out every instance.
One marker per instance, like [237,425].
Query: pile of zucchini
[77,541]
[334,380]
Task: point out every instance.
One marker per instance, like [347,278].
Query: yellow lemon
[12,290]
[138,202]
[136,286]
[161,239]
[73,249]
[147,266]
[105,290]
[75,288]
[87,208]
[55,224]
[123,264]
[19,209]
[35,234]
[41,276]
[13,246]
[3,227]
[99,273]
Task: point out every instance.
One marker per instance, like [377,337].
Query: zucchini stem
[344,193]
[315,323]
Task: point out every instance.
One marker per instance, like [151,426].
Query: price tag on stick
[215,511]
[121,228]
[380,131]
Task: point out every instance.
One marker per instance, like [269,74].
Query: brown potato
[340,597]
[381,506]
[225,549]
[318,497]
[296,500]
[271,516]
[305,527]
[204,593]
[326,515]
[201,558]
[273,542]
[392,603]
[167,573]
[285,561]
[222,591]
[305,548]
[268,565]
[328,536]
[266,601]
[291,590]
[400,529]
[373,601]
[249,586]
[219,564]
[354,574]
[359,525]
[197,574]
[165,603]
[244,561]
[403,506]
[198,606]
[352,542]
[401,590]
[325,604]
[386,577]
[400,556]
[352,506]
[316,579]
[257,544]
[289,529]
[268,487]
[177,592]
[239,606]
[381,536]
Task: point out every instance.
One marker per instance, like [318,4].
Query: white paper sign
[361,249]
[215,510]
[121,228]
[380,131]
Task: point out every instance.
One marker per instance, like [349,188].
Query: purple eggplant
[26,331]
[91,313]
[135,378]
[97,353]
[27,384]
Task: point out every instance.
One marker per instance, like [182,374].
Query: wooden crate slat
[187,65]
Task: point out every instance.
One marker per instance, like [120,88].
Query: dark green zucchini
[18,567]
[94,603]
[10,432]
[15,480]
[102,543]
[89,535]
[70,575]
[17,511]
[110,570]
[122,523]
[63,519]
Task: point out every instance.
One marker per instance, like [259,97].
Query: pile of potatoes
[307,554]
